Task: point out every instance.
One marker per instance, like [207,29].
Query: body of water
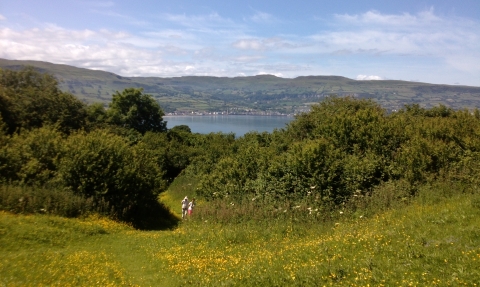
[237,124]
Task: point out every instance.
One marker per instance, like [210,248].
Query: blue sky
[413,40]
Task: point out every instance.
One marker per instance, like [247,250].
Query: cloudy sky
[434,41]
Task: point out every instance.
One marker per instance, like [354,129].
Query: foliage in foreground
[104,167]
[432,241]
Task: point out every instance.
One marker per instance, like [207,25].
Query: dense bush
[29,157]
[236,170]
[210,148]
[346,147]
[105,167]
[46,162]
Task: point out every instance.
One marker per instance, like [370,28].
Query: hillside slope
[424,244]
[255,94]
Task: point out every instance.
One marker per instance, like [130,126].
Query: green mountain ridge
[261,94]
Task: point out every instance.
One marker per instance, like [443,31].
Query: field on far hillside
[256,94]
[434,240]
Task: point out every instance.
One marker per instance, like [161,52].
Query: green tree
[29,157]
[174,149]
[96,114]
[181,128]
[3,131]
[30,99]
[107,168]
[133,109]
[236,174]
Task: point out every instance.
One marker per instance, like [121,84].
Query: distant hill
[264,94]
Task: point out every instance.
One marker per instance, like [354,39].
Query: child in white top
[184,207]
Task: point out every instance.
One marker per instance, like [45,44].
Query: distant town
[225,113]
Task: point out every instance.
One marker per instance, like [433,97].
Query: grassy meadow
[432,239]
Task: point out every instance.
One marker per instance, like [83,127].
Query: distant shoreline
[225,115]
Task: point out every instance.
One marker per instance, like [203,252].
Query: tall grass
[29,200]
[430,239]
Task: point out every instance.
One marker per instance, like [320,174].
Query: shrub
[105,167]
[29,157]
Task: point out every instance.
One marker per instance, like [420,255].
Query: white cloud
[99,48]
[451,41]
[199,21]
[280,75]
[262,17]
[397,42]
[373,17]
[247,58]
[213,45]
[249,44]
[272,43]
[169,34]
[2,18]
[368,78]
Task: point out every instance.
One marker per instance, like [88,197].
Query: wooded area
[61,156]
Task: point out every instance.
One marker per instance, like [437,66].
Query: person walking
[184,207]
[191,205]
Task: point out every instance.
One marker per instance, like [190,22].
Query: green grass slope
[433,241]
